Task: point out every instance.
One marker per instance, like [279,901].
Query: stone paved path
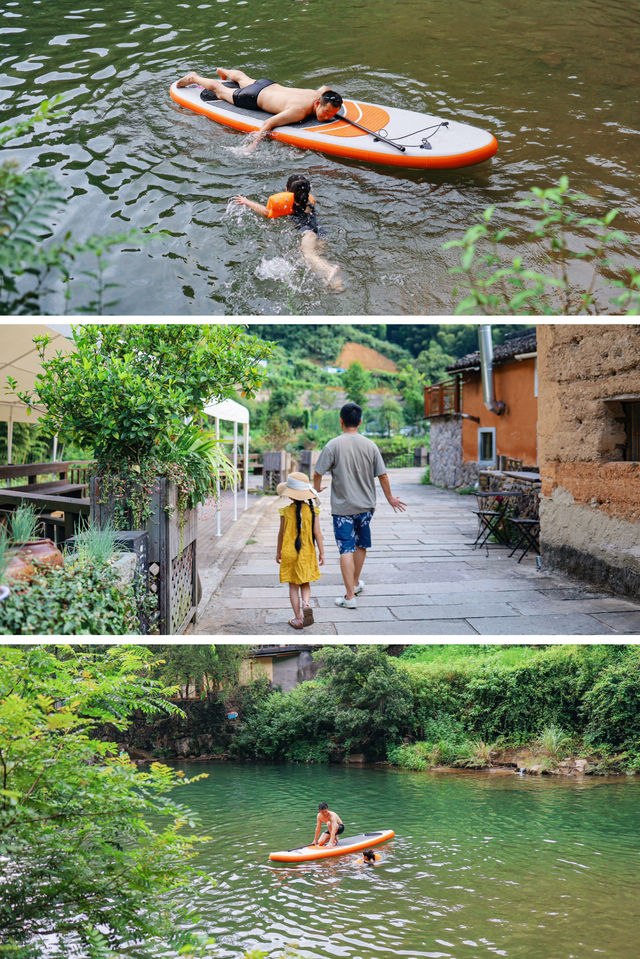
[422,579]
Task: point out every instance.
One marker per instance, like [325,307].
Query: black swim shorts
[247,98]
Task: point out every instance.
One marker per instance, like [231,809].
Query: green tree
[433,362]
[94,861]
[356,381]
[125,387]
[372,694]
[210,669]
[281,396]
[390,415]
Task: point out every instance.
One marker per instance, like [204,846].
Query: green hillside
[298,404]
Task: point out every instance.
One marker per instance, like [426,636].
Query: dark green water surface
[556,82]
[482,865]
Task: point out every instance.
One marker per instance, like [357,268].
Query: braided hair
[298,542]
[300,187]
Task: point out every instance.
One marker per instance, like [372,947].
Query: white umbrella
[19,358]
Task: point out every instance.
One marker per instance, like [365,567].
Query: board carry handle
[376,138]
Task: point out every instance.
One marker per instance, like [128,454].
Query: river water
[555,82]
[482,865]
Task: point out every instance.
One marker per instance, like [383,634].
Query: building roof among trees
[514,344]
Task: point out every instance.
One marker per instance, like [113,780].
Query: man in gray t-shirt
[354,462]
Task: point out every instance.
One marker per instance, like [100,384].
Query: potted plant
[27,548]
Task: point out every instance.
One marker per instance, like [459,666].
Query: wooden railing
[59,517]
[443,398]
[35,475]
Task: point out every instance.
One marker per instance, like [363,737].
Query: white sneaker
[358,589]
[347,603]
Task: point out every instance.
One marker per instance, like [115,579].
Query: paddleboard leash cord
[381,136]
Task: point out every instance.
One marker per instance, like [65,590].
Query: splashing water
[280,269]
[234,211]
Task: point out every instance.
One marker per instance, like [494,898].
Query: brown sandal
[307,616]
[296,623]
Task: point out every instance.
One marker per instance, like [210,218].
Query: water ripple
[554,110]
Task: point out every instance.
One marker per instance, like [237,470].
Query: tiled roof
[515,343]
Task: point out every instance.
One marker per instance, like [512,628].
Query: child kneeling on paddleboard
[298,203]
[298,537]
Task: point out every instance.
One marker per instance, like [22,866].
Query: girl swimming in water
[298,203]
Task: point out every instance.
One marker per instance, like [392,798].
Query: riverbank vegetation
[569,258]
[456,708]
[469,706]
[97,854]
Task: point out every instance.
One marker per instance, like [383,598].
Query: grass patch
[443,655]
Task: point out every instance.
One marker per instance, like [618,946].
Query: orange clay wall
[516,428]
[590,502]
[581,369]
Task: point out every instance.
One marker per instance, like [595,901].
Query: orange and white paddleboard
[394,137]
[344,846]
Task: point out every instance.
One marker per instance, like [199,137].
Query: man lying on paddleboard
[288,104]
[335,826]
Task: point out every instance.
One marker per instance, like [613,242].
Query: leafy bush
[495,287]
[612,706]
[372,694]
[415,756]
[93,857]
[297,726]
[496,696]
[70,601]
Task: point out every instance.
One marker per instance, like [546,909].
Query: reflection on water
[481,865]
[554,82]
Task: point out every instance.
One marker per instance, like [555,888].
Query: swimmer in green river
[298,203]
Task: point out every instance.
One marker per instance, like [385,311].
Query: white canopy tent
[232,412]
[19,358]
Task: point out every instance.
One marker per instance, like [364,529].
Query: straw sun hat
[297,486]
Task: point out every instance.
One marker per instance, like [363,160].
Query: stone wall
[447,468]
[590,503]
[289,671]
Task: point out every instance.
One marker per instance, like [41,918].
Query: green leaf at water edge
[467,257]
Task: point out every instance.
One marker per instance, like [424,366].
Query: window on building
[487,446]
[631,411]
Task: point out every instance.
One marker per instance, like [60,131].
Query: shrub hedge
[365,701]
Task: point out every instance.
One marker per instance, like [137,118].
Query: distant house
[282,664]
[485,415]
[590,453]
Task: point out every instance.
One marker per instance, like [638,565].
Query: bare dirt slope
[367,357]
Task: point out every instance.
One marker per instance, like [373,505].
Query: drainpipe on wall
[486,371]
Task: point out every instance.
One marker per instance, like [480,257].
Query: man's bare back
[287,104]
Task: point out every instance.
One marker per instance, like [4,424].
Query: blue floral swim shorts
[352,532]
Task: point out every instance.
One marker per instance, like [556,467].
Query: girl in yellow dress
[298,538]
